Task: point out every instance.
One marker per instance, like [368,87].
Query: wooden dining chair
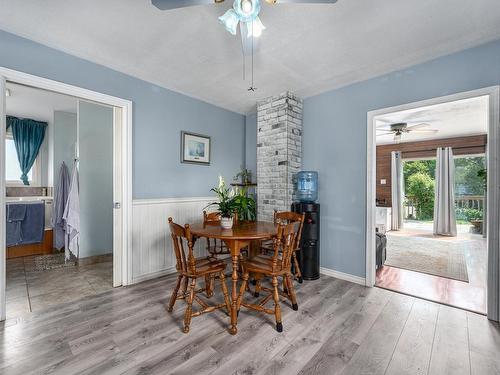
[215,247]
[287,217]
[189,269]
[275,266]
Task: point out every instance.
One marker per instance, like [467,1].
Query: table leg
[234,295]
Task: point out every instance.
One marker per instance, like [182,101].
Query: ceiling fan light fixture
[256,28]
[230,21]
[245,11]
[397,137]
[246,6]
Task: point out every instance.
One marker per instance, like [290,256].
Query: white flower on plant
[232,193]
[221,182]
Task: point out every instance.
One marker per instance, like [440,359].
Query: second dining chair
[215,247]
[275,266]
[189,269]
[287,217]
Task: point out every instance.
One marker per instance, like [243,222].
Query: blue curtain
[28,137]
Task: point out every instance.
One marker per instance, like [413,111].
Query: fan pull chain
[244,57]
[252,88]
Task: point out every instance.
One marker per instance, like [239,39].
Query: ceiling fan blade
[387,133]
[418,126]
[174,4]
[301,1]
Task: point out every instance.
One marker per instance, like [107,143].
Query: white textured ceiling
[453,119]
[36,104]
[306,48]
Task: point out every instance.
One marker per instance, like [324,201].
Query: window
[468,180]
[12,169]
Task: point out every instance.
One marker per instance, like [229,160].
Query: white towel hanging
[71,217]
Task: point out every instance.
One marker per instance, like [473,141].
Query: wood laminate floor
[469,295]
[340,328]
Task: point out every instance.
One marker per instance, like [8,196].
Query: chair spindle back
[284,243]
[287,217]
[211,217]
[182,239]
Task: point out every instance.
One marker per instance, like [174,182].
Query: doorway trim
[122,265]
[493,191]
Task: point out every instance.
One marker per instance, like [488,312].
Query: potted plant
[225,204]
[245,175]
[244,205]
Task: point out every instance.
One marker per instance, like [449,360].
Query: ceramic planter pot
[226,222]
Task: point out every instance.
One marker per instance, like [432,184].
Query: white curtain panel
[397,190]
[444,200]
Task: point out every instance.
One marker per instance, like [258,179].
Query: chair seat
[206,266]
[263,264]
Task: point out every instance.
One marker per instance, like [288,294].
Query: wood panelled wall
[424,149]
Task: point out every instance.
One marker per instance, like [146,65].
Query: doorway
[451,268]
[89,105]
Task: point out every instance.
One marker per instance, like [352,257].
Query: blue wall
[159,117]
[65,135]
[334,140]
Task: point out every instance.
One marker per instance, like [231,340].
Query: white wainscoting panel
[152,253]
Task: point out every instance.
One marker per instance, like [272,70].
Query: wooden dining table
[242,235]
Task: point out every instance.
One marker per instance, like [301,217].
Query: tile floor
[31,291]
[470,296]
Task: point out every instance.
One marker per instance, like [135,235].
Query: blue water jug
[307,186]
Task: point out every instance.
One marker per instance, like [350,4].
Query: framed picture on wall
[195,148]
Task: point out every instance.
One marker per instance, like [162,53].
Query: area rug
[50,262]
[434,257]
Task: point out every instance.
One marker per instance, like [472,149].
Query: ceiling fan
[173,4]
[399,128]
[244,11]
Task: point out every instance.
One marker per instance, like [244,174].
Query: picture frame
[195,148]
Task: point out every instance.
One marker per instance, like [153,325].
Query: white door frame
[493,192]
[122,265]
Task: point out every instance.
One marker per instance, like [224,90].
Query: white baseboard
[153,275]
[343,276]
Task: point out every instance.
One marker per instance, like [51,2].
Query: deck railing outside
[470,201]
[461,201]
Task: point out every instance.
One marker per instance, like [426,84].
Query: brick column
[279,152]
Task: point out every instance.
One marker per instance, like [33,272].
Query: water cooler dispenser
[307,194]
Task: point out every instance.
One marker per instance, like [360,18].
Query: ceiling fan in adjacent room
[400,128]
[244,13]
